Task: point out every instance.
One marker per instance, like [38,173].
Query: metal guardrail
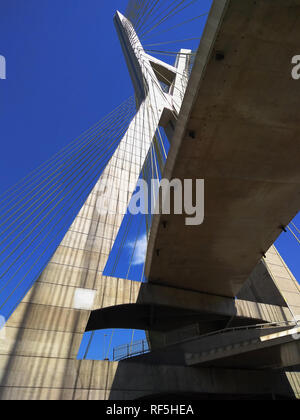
[126,351]
[136,348]
[254,327]
[188,334]
[246,328]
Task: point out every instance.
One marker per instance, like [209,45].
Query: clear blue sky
[65,70]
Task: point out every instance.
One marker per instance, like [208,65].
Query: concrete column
[42,337]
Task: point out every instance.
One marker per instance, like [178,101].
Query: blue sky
[65,70]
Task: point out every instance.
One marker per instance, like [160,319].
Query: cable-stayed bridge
[218,296]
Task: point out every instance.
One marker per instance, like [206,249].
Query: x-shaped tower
[159,87]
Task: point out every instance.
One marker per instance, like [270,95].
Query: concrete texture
[249,350]
[161,309]
[244,113]
[47,378]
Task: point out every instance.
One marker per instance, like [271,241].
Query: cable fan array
[36,213]
[160,23]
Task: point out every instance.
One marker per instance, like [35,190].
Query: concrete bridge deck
[267,347]
[239,131]
[274,350]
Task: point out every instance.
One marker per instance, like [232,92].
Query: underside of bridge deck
[242,107]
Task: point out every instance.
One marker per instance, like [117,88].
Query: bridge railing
[282,324]
[126,351]
[136,348]
[190,333]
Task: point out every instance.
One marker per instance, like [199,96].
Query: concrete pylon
[43,335]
